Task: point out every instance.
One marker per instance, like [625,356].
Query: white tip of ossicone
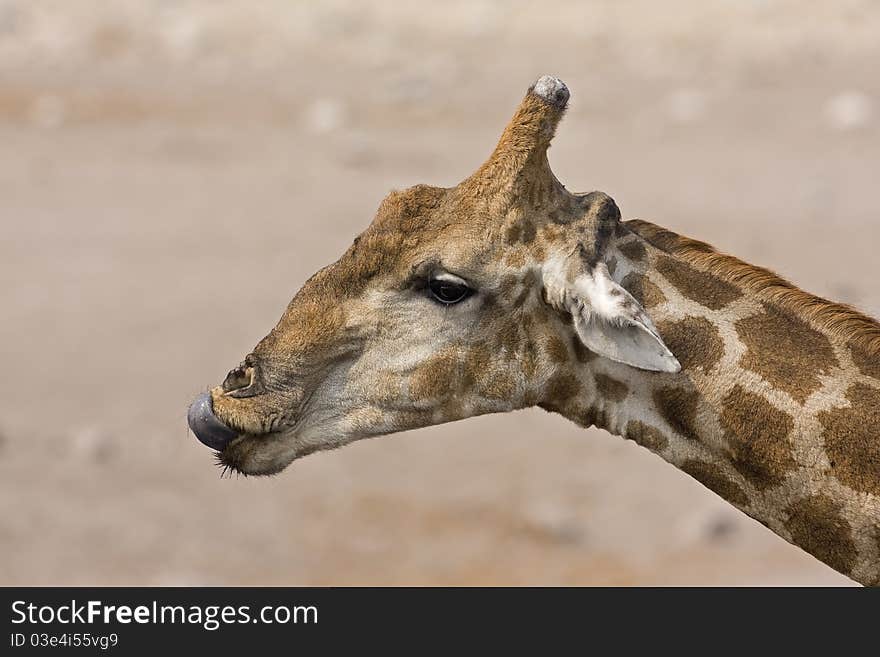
[551,89]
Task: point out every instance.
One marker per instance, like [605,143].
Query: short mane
[843,322]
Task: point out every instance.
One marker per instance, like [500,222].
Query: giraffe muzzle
[206,426]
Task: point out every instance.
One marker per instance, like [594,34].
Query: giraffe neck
[773,410]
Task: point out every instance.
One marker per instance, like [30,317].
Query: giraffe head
[454,302]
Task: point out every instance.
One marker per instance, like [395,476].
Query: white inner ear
[611,323]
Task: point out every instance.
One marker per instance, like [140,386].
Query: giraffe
[508,291]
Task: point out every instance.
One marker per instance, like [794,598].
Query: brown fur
[610,388]
[713,479]
[790,342]
[633,250]
[817,526]
[757,438]
[695,340]
[643,290]
[646,435]
[844,322]
[679,408]
[562,387]
[581,353]
[852,439]
[557,350]
[786,352]
[435,379]
[868,365]
[706,289]
[364,348]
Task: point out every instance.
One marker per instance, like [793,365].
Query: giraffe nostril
[243,381]
[240,377]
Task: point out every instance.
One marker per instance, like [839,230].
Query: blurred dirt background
[172,171]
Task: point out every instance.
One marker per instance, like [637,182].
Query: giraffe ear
[611,323]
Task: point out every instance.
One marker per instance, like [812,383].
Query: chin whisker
[227,470]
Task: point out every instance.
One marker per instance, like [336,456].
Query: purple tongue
[204,424]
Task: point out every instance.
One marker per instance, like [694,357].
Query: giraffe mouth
[237,450]
[206,426]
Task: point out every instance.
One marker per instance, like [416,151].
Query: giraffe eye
[449,291]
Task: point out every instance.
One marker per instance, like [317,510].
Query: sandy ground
[171,172]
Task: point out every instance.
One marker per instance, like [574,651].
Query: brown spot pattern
[704,288]
[645,435]
[610,388]
[785,351]
[434,379]
[590,417]
[837,320]
[552,232]
[679,408]
[817,526]
[386,386]
[694,341]
[538,251]
[508,338]
[643,290]
[852,439]
[507,285]
[581,353]
[515,259]
[487,381]
[634,251]
[514,231]
[501,385]
[757,438]
[476,364]
[714,479]
[561,387]
[529,358]
[868,365]
[557,350]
